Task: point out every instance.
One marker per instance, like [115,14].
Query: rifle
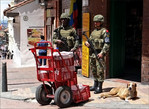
[100,61]
[58,32]
[64,41]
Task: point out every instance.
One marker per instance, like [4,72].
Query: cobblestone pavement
[22,83]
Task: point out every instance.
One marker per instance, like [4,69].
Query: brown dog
[122,92]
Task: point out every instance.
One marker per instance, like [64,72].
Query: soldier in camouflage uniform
[101,42]
[65,36]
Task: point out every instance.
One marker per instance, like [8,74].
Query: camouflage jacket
[101,40]
[68,36]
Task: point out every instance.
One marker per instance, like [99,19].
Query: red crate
[85,92]
[80,92]
[61,72]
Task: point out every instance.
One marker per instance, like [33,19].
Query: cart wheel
[63,96]
[41,94]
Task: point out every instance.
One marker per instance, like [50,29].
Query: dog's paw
[104,97]
[126,99]
[99,97]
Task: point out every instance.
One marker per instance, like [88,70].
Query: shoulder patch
[107,40]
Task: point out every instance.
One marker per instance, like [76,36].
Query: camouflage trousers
[97,68]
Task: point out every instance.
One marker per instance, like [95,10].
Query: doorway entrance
[126,36]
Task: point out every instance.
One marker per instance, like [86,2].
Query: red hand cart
[58,77]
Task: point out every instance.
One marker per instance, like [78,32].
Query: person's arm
[87,43]
[106,46]
[76,38]
[56,36]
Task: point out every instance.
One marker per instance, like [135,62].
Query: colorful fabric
[73,14]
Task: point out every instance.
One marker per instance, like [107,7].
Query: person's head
[65,18]
[42,37]
[98,21]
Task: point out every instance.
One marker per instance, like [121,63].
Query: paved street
[22,84]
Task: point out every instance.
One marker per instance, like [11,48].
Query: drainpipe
[56,14]
[45,20]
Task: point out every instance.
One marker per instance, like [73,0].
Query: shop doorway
[126,36]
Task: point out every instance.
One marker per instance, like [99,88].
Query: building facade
[127,21]
[26,24]
[145,44]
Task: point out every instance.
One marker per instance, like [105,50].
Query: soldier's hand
[58,41]
[72,50]
[87,44]
[100,55]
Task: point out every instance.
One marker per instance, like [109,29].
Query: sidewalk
[22,83]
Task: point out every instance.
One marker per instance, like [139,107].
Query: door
[126,39]
[117,31]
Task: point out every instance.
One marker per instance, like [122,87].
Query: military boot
[94,86]
[99,88]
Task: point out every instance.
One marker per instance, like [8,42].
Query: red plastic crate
[80,93]
[61,72]
[85,92]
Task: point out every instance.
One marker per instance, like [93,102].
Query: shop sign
[85,50]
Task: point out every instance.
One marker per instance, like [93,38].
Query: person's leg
[40,60]
[100,75]
[11,56]
[45,54]
[5,55]
[2,55]
[94,70]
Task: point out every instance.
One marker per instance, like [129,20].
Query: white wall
[13,44]
[35,19]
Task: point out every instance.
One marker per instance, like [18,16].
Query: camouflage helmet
[64,16]
[99,18]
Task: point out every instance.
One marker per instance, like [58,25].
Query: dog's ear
[135,85]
